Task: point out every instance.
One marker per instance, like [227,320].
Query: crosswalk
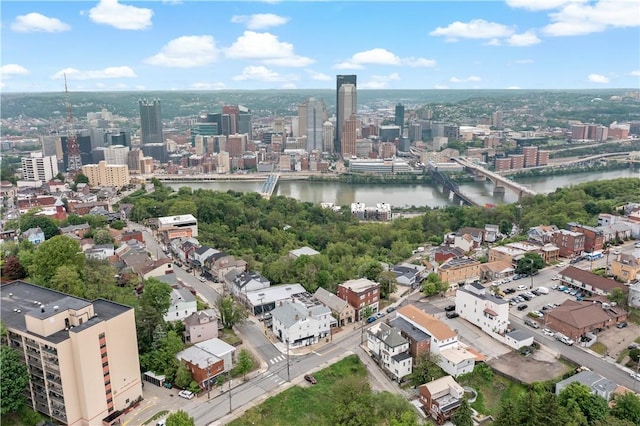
[277,359]
[271,375]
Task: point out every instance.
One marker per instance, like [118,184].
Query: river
[403,195]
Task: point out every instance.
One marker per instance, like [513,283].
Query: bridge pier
[499,190]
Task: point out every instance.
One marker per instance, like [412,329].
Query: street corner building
[82,356]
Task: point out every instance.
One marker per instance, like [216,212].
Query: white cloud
[380,81]
[186,52]
[204,85]
[380,56]
[288,86]
[12,69]
[441,86]
[598,78]
[527,38]
[579,19]
[109,72]
[260,21]
[120,16]
[318,75]
[540,4]
[261,73]
[464,80]
[513,88]
[523,61]
[494,42]
[266,47]
[474,29]
[36,22]
[635,73]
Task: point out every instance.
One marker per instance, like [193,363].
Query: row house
[542,234]
[132,235]
[207,360]
[409,274]
[83,208]
[220,264]
[442,254]
[302,322]
[630,225]
[589,282]
[78,231]
[617,231]
[240,282]
[200,254]
[201,326]
[457,271]
[463,242]
[390,350]
[362,294]
[340,309]
[182,248]
[570,243]
[626,267]
[593,237]
[482,309]
[491,233]
[183,304]
[496,270]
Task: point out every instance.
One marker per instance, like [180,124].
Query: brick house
[441,398]
[593,237]
[570,243]
[574,319]
[361,294]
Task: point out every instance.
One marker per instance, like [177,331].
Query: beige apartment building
[102,174]
[82,356]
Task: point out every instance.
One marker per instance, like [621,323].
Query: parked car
[555,277]
[547,332]
[178,264]
[526,297]
[371,319]
[452,315]
[635,376]
[525,351]
[637,245]
[531,323]
[559,265]
[521,287]
[633,346]
[535,292]
[537,314]
[391,309]
[621,325]
[616,252]
[202,279]
[309,378]
[510,290]
[450,308]
[516,277]
[186,394]
[522,307]
[380,314]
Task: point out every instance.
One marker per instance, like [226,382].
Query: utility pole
[230,409]
[531,274]
[208,378]
[288,372]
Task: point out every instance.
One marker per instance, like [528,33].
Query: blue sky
[228,45]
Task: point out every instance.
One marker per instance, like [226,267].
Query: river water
[407,195]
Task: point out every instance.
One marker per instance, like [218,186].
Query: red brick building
[361,294]
[570,243]
[593,237]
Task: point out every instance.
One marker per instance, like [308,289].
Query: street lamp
[531,273]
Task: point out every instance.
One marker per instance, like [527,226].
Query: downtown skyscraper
[151,121]
[341,113]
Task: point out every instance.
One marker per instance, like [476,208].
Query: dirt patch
[537,367]
[617,339]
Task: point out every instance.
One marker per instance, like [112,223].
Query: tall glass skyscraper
[340,113]
[151,121]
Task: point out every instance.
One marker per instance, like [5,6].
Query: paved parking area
[617,339]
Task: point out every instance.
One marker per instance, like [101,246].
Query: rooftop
[360,285]
[430,324]
[274,294]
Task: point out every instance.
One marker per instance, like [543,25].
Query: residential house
[239,283]
[303,251]
[513,252]
[46,204]
[7,190]
[76,230]
[593,237]
[82,208]
[132,235]
[260,302]
[302,323]
[463,242]
[198,256]
[618,227]
[55,186]
[33,235]
[482,309]
[597,384]
[570,243]
[634,295]
[207,360]
[589,283]
[100,252]
[542,234]
[476,234]
[390,350]
[200,326]
[441,398]
[518,338]
[443,253]
[626,267]
[168,235]
[362,293]
[183,304]
[456,271]
[219,267]
[185,248]
[340,309]
[491,233]
[496,270]
[550,253]
[419,341]
[574,318]
[409,274]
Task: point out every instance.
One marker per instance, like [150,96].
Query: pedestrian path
[277,359]
[271,375]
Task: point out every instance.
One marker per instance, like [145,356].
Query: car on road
[391,309]
[547,332]
[637,245]
[635,376]
[559,265]
[450,308]
[202,279]
[452,315]
[522,307]
[178,264]
[186,394]
[621,324]
[531,323]
[616,252]
[309,378]
[380,314]
[371,319]
[521,287]
[537,314]
[633,346]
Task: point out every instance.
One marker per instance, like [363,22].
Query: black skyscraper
[340,80]
[151,121]
[399,118]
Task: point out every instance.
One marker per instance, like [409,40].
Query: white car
[637,245]
[202,279]
[547,332]
[521,287]
[186,394]
[559,265]
[555,277]
[635,376]
[537,314]
[616,252]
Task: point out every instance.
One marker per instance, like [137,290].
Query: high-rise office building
[232,111]
[348,104]
[327,137]
[496,119]
[349,136]
[81,356]
[117,155]
[39,167]
[311,120]
[341,116]
[244,121]
[151,121]
[399,117]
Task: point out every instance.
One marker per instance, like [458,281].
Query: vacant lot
[617,339]
[537,367]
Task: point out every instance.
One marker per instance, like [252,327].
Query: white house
[242,282]
[390,350]
[457,361]
[199,255]
[409,274]
[482,309]
[183,304]
[101,251]
[302,324]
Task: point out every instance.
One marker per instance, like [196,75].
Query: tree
[117,224]
[425,370]
[245,363]
[593,407]
[618,296]
[102,236]
[179,418]
[370,269]
[48,226]
[530,263]
[153,304]
[508,413]
[67,280]
[433,285]
[626,406]
[183,376]
[351,402]
[14,378]
[51,254]
[231,312]
[463,415]
[12,268]
[388,284]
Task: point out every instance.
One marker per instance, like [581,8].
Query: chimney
[297,317]
[42,309]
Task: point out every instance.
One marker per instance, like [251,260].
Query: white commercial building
[302,323]
[117,155]
[39,167]
[482,309]
[180,221]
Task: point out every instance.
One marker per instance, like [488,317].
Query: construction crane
[74,162]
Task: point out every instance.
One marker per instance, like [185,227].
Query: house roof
[73,228]
[431,324]
[181,295]
[32,231]
[409,329]
[389,335]
[306,251]
[591,279]
[289,314]
[457,355]
[205,353]
[519,335]
[360,285]
[500,266]
[475,232]
[579,314]
[197,317]
[273,294]
[402,356]
[331,300]
[443,384]
[593,380]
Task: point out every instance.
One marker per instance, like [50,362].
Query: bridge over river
[499,181]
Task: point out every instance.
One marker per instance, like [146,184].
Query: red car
[309,378]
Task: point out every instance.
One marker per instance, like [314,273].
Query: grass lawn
[308,405]
[599,347]
[227,335]
[490,390]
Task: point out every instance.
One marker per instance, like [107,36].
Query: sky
[249,45]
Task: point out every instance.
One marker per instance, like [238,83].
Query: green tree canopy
[231,312]
[179,418]
[51,254]
[48,226]
[14,378]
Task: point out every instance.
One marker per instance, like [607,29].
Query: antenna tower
[74,162]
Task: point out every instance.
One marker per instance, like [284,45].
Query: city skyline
[184,45]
